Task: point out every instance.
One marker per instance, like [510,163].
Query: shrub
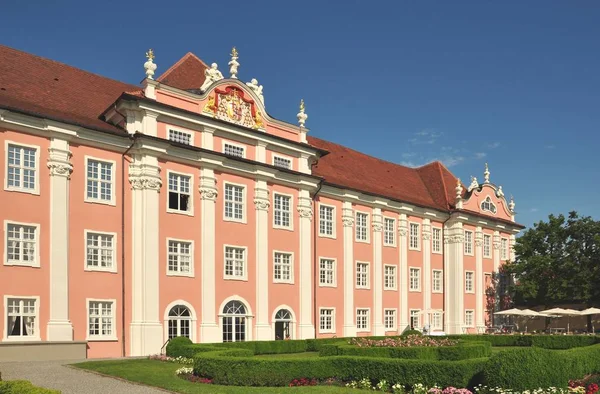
[23,387]
[543,341]
[412,332]
[178,347]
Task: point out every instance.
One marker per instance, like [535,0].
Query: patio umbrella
[591,311]
[529,314]
[513,311]
[562,312]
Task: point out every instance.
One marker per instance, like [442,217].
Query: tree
[497,294]
[558,262]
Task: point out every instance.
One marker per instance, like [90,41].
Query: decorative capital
[208,193]
[145,183]
[478,242]
[454,239]
[305,212]
[261,204]
[149,66]
[426,236]
[348,222]
[302,116]
[60,169]
[377,227]
[402,232]
[497,244]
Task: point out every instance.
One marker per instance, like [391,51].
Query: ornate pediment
[230,104]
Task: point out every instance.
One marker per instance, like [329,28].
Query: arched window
[235,319]
[488,205]
[283,324]
[179,322]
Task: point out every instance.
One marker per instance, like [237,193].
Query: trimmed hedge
[412,332]
[523,369]
[182,346]
[543,341]
[23,387]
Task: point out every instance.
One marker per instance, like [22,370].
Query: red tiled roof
[187,73]
[47,88]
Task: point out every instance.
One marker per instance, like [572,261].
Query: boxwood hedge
[23,386]
[463,351]
[543,341]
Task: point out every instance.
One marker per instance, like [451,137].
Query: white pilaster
[496,246]
[149,123]
[378,327]
[479,281]
[261,152]
[404,321]
[426,249]
[304,164]
[262,203]
[348,222]
[59,326]
[306,329]
[146,333]
[453,274]
[207,139]
[209,328]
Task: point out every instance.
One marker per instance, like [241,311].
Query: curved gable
[486,200]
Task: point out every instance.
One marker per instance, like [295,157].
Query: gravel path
[56,375]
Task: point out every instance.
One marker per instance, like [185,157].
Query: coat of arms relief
[230,105]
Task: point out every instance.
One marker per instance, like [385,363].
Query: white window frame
[327,330]
[333,221]
[492,207]
[504,248]
[36,263]
[472,313]
[234,144]
[189,274]
[244,277]
[113,182]
[410,236]
[367,227]
[410,288]
[437,241]
[291,216]
[190,211]
[21,189]
[367,275]
[410,317]
[441,281]
[244,218]
[386,232]
[27,338]
[367,327]
[291,279]
[334,270]
[86,267]
[394,327]
[113,309]
[487,237]
[394,277]
[282,157]
[434,317]
[178,130]
[472,281]
[468,246]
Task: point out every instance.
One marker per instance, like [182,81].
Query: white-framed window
[488,205]
[504,249]
[180,257]
[235,203]
[469,242]
[415,319]
[389,319]
[414,242]
[282,162]
[100,176]
[362,227]
[327,276]
[469,279]
[487,246]
[327,320]
[234,149]
[437,281]
[436,237]
[282,211]
[436,320]
[414,279]
[389,277]
[389,232]
[235,263]
[22,168]
[326,221]
[469,317]
[283,267]
[21,318]
[180,136]
[179,322]
[362,319]
[101,251]
[180,196]
[21,244]
[101,320]
[362,275]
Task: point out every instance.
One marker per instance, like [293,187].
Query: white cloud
[480,155]
[493,145]
[452,161]
[533,210]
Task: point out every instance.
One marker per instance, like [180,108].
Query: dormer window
[488,205]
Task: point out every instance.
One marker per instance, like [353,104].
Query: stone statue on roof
[474,184]
[212,75]
[256,88]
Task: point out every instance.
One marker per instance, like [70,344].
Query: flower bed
[409,341]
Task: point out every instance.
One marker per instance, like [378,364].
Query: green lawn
[162,374]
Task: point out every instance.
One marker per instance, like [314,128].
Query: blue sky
[513,83]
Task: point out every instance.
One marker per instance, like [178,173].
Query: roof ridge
[178,63]
[439,167]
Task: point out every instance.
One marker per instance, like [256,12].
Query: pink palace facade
[134,214]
